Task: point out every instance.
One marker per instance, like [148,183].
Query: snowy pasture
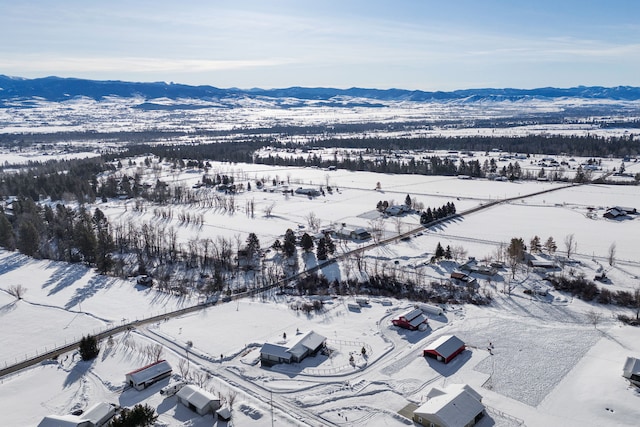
[549,364]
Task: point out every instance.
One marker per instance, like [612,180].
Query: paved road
[55,353]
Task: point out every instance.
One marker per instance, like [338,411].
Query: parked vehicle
[172,389]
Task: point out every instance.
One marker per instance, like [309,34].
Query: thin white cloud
[133,64]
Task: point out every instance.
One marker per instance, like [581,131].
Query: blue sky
[410,44]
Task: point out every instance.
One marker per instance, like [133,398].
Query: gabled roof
[309,341]
[150,371]
[196,396]
[455,405]
[446,345]
[62,421]
[98,412]
[276,351]
[631,366]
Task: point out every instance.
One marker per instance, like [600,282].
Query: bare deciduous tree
[183,368]
[313,221]
[268,209]
[594,317]
[612,254]
[570,244]
[17,291]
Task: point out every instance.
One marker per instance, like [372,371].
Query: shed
[147,375]
[430,309]
[224,413]
[631,370]
[198,400]
[454,406]
[444,348]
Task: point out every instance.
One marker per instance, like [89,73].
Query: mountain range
[60,89]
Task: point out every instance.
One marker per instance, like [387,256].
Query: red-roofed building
[412,320]
[147,375]
[444,348]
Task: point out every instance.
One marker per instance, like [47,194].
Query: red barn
[412,320]
[444,348]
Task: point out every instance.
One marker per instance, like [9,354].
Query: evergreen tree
[7,237]
[253,245]
[28,237]
[331,247]
[289,245]
[439,251]
[306,242]
[138,416]
[84,237]
[447,253]
[407,201]
[535,245]
[550,246]
[321,250]
[89,347]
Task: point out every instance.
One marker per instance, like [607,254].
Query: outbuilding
[457,405]
[412,320]
[444,348]
[224,413]
[631,370]
[198,400]
[147,375]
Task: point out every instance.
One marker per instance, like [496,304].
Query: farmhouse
[619,211]
[148,375]
[96,416]
[631,370]
[454,406]
[395,210]
[352,233]
[198,400]
[444,348]
[412,320]
[464,279]
[472,266]
[307,345]
[311,192]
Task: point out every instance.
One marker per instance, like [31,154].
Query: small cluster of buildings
[617,212]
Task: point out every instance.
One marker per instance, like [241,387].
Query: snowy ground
[549,366]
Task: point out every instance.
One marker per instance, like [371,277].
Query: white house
[306,345]
[97,415]
[147,375]
[198,400]
[457,405]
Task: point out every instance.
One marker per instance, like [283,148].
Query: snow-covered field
[549,365]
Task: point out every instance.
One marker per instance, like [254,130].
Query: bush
[89,347]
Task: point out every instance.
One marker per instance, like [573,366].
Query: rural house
[147,375]
[444,348]
[457,405]
[96,416]
[198,400]
[307,345]
[412,320]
